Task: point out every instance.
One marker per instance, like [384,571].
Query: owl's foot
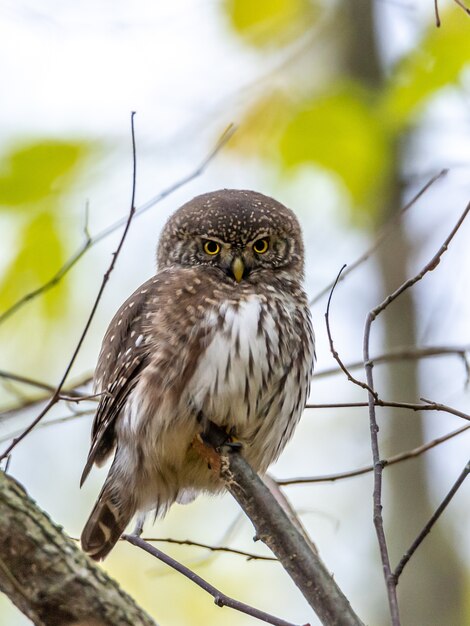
[219,437]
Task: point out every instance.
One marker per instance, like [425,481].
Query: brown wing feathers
[124,346]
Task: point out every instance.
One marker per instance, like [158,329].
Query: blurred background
[344,110]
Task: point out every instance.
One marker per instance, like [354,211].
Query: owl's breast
[243,362]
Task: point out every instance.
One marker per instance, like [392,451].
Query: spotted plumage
[221,333]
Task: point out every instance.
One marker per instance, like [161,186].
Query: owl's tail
[106,524]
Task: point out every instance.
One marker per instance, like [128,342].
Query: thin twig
[383,234]
[431,406]
[32,402]
[17,378]
[55,396]
[85,398]
[250,556]
[52,282]
[462,6]
[429,267]
[392,460]
[411,406]
[405,354]
[330,339]
[436,13]
[25,380]
[390,579]
[427,528]
[377,494]
[220,598]
[52,422]
[92,241]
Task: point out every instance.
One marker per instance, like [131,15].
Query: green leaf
[32,172]
[265,22]
[435,63]
[41,253]
[36,178]
[340,133]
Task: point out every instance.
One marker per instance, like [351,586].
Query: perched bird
[221,333]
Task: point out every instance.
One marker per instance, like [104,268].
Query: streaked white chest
[241,356]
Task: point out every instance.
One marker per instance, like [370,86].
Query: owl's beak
[238,268]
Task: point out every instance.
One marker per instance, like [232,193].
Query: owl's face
[241,233]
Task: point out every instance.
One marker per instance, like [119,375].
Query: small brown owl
[221,333]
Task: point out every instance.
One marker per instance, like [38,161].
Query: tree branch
[56,395]
[383,234]
[274,528]
[390,578]
[397,458]
[220,598]
[250,556]
[411,406]
[427,528]
[406,354]
[92,241]
[48,577]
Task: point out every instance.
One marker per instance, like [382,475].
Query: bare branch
[274,528]
[427,528]
[71,390]
[250,556]
[220,598]
[52,422]
[462,6]
[436,13]
[377,494]
[333,351]
[457,2]
[91,241]
[52,282]
[397,458]
[17,378]
[383,234]
[431,406]
[55,396]
[46,575]
[429,267]
[406,354]
[390,578]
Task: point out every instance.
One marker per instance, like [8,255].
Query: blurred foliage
[35,180]
[262,126]
[336,124]
[437,62]
[268,22]
[40,170]
[340,133]
[40,253]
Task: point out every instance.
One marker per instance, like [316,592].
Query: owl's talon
[235,446]
[218,437]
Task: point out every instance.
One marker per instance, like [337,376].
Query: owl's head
[239,232]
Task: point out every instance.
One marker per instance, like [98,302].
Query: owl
[222,333]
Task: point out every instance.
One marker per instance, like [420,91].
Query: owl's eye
[261,246]
[211,247]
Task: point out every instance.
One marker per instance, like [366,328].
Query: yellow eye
[211,247]
[261,246]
